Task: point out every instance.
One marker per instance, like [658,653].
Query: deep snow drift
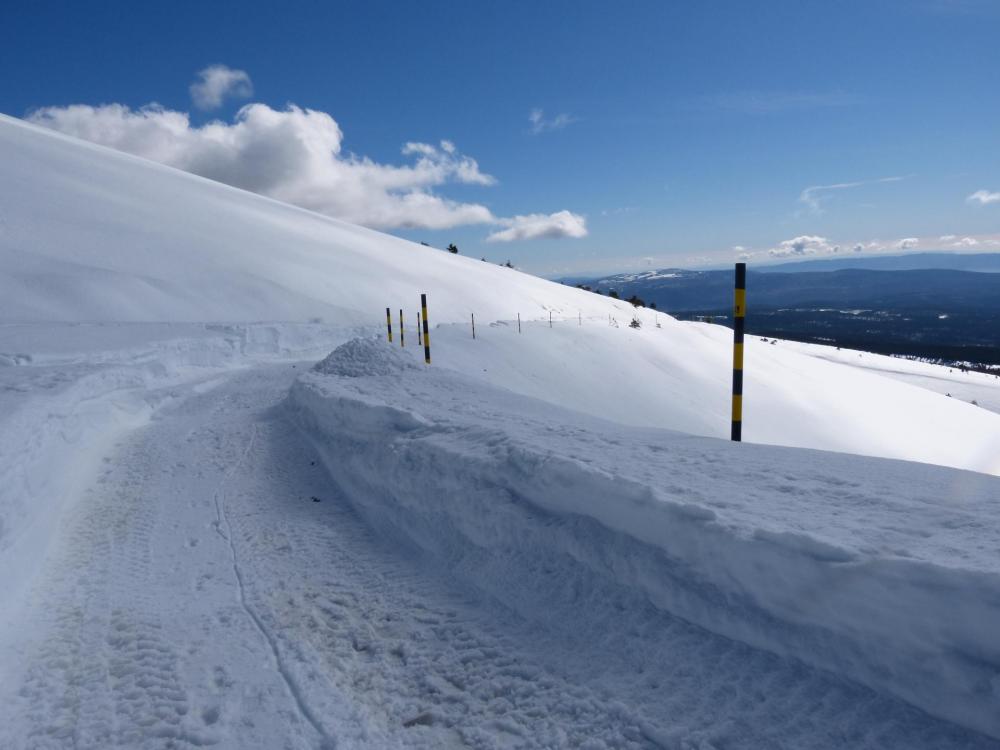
[885,572]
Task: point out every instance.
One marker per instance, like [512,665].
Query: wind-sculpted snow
[881,571]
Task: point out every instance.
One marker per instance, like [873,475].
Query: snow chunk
[366,356]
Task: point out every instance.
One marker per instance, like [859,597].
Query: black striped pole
[420,338]
[388,323]
[739,313]
[473,325]
[402,330]
[427,333]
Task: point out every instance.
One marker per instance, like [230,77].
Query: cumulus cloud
[907,243]
[982,197]
[966,242]
[294,155]
[540,226]
[540,125]
[217,83]
[803,245]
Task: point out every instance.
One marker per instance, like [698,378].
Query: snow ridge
[519,495]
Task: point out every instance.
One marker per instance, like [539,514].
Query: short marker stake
[427,332]
[388,323]
[402,329]
[473,325]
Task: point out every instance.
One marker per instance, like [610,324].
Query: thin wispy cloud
[812,197]
[771,102]
[216,83]
[541,124]
[983,197]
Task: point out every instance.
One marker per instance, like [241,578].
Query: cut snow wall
[506,513]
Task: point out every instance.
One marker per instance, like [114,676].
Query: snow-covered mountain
[539,540]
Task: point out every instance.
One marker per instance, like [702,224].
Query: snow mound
[882,572]
[361,357]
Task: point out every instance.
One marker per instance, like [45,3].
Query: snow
[834,561]
[537,541]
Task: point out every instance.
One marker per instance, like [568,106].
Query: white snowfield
[538,541]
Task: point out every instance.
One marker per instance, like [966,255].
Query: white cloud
[946,237]
[803,245]
[540,125]
[217,83]
[814,195]
[907,243]
[540,226]
[966,242]
[294,155]
[982,197]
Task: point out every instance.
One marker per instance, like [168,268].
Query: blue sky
[670,133]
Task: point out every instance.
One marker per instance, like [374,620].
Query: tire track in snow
[279,665]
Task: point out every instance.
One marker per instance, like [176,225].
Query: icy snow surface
[505,549]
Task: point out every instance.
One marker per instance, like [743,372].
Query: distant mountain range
[676,290]
[979,262]
[942,313]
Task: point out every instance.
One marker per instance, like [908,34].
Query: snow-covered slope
[89,234]
[177,567]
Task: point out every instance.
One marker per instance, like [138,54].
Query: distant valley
[940,314]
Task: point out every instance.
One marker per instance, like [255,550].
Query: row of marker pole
[739,319]
[423,336]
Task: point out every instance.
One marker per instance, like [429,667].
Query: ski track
[215,589]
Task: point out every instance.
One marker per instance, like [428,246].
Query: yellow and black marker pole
[427,332]
[388,323]
[739,314]
[420,338]
[402,329]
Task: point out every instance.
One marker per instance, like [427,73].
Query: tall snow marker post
[473,325]
[388,323]
[519,322]
[402,329]
[427,333]
[739,313]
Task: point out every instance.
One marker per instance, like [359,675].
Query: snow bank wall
[543,529]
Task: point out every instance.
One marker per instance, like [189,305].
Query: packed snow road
[215,588]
